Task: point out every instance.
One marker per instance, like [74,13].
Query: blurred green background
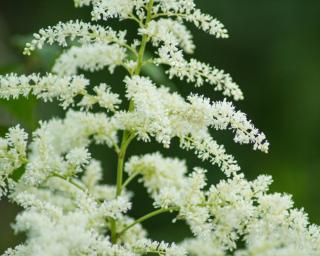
[273,53]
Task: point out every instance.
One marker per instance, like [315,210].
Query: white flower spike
[69,210]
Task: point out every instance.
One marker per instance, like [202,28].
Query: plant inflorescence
[68,210]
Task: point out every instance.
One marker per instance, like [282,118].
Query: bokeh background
[273,53]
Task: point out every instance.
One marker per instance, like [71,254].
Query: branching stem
[146,217]
[69,180]
[127,138]
[129,179]
[127,135]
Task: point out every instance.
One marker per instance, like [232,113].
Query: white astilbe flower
[78,129]
[68,209]
[19,250]
[206,23]
[196,72]
[91,218]
[63,88]
[186,10]
[285,230]
[58,137]
[68,235]
[115,208]
[167,183]
[16,139]
[12,154]
[168,30]
[222,115]
[105,9]
[147,246]
[166,115]
[55,192]
[85,33]
[158,172]
[203,247]
[192,205]
[231,205]
[47,88]
[206,148]
[151,107]
[280,232]
[100,213]
[93,174]
[92,57]
[266,222]
[31,202]
[149,114]
[76,158]
[44,160]
[176,5]
[103,97]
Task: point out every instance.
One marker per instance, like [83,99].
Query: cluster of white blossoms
[13,155]
[91,58]
[196,72]
[53,176]
[63,88]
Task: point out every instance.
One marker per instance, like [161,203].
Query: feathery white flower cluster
[12,154]
[186,10]
[266,223]
[58,233]
[230,210]
[104,98]
[160,248]
[164,115]
[59,146]
[48,87]
[197,72]
[68,210]
[123,9]
[63,88]
[224,116]
[85,33]
[170,187]
[172,31]
[91,58]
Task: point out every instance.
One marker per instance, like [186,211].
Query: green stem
[144,40]
[129,179]
[168,14]
[69,180]
[146,217]
[127,137]
[113,229]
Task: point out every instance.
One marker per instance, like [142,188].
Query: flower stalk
[127,138]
